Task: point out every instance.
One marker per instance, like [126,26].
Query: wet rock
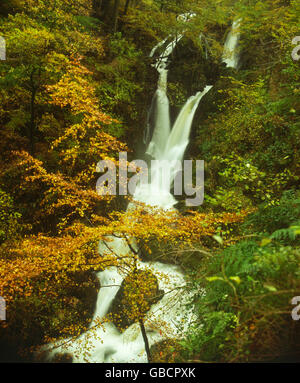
[138,291]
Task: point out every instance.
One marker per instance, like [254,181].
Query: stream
[164,142]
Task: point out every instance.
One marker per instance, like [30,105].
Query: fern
[289,233]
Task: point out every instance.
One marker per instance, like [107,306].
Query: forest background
[75,88]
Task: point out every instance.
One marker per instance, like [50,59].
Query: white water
[230,53]
[165,147]
[106,343]
[161,102]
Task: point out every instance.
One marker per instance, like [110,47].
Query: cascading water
[230,53]
[160,102]
[107,344]
[158,191]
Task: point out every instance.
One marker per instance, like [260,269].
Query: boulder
[138,291]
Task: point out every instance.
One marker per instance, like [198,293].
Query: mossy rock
[138,291]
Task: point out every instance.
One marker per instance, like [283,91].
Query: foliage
[75,89]
[277,217]
[9,218]
[245,303]
[244,314]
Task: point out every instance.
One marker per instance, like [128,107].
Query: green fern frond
[289,233]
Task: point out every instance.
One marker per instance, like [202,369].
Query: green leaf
[218,239]
[236,279]
[215,278]
[270,288]
[265,241]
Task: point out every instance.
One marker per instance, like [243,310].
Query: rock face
[138,291]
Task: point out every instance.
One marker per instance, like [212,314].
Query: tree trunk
[105,9]
[147,348]
[96,7]
[116,15]
[32,112]
[126,6]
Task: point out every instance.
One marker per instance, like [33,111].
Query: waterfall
[230,53]
[158,191]
[107,344]
[160,103]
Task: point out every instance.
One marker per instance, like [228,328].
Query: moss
[123,306]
